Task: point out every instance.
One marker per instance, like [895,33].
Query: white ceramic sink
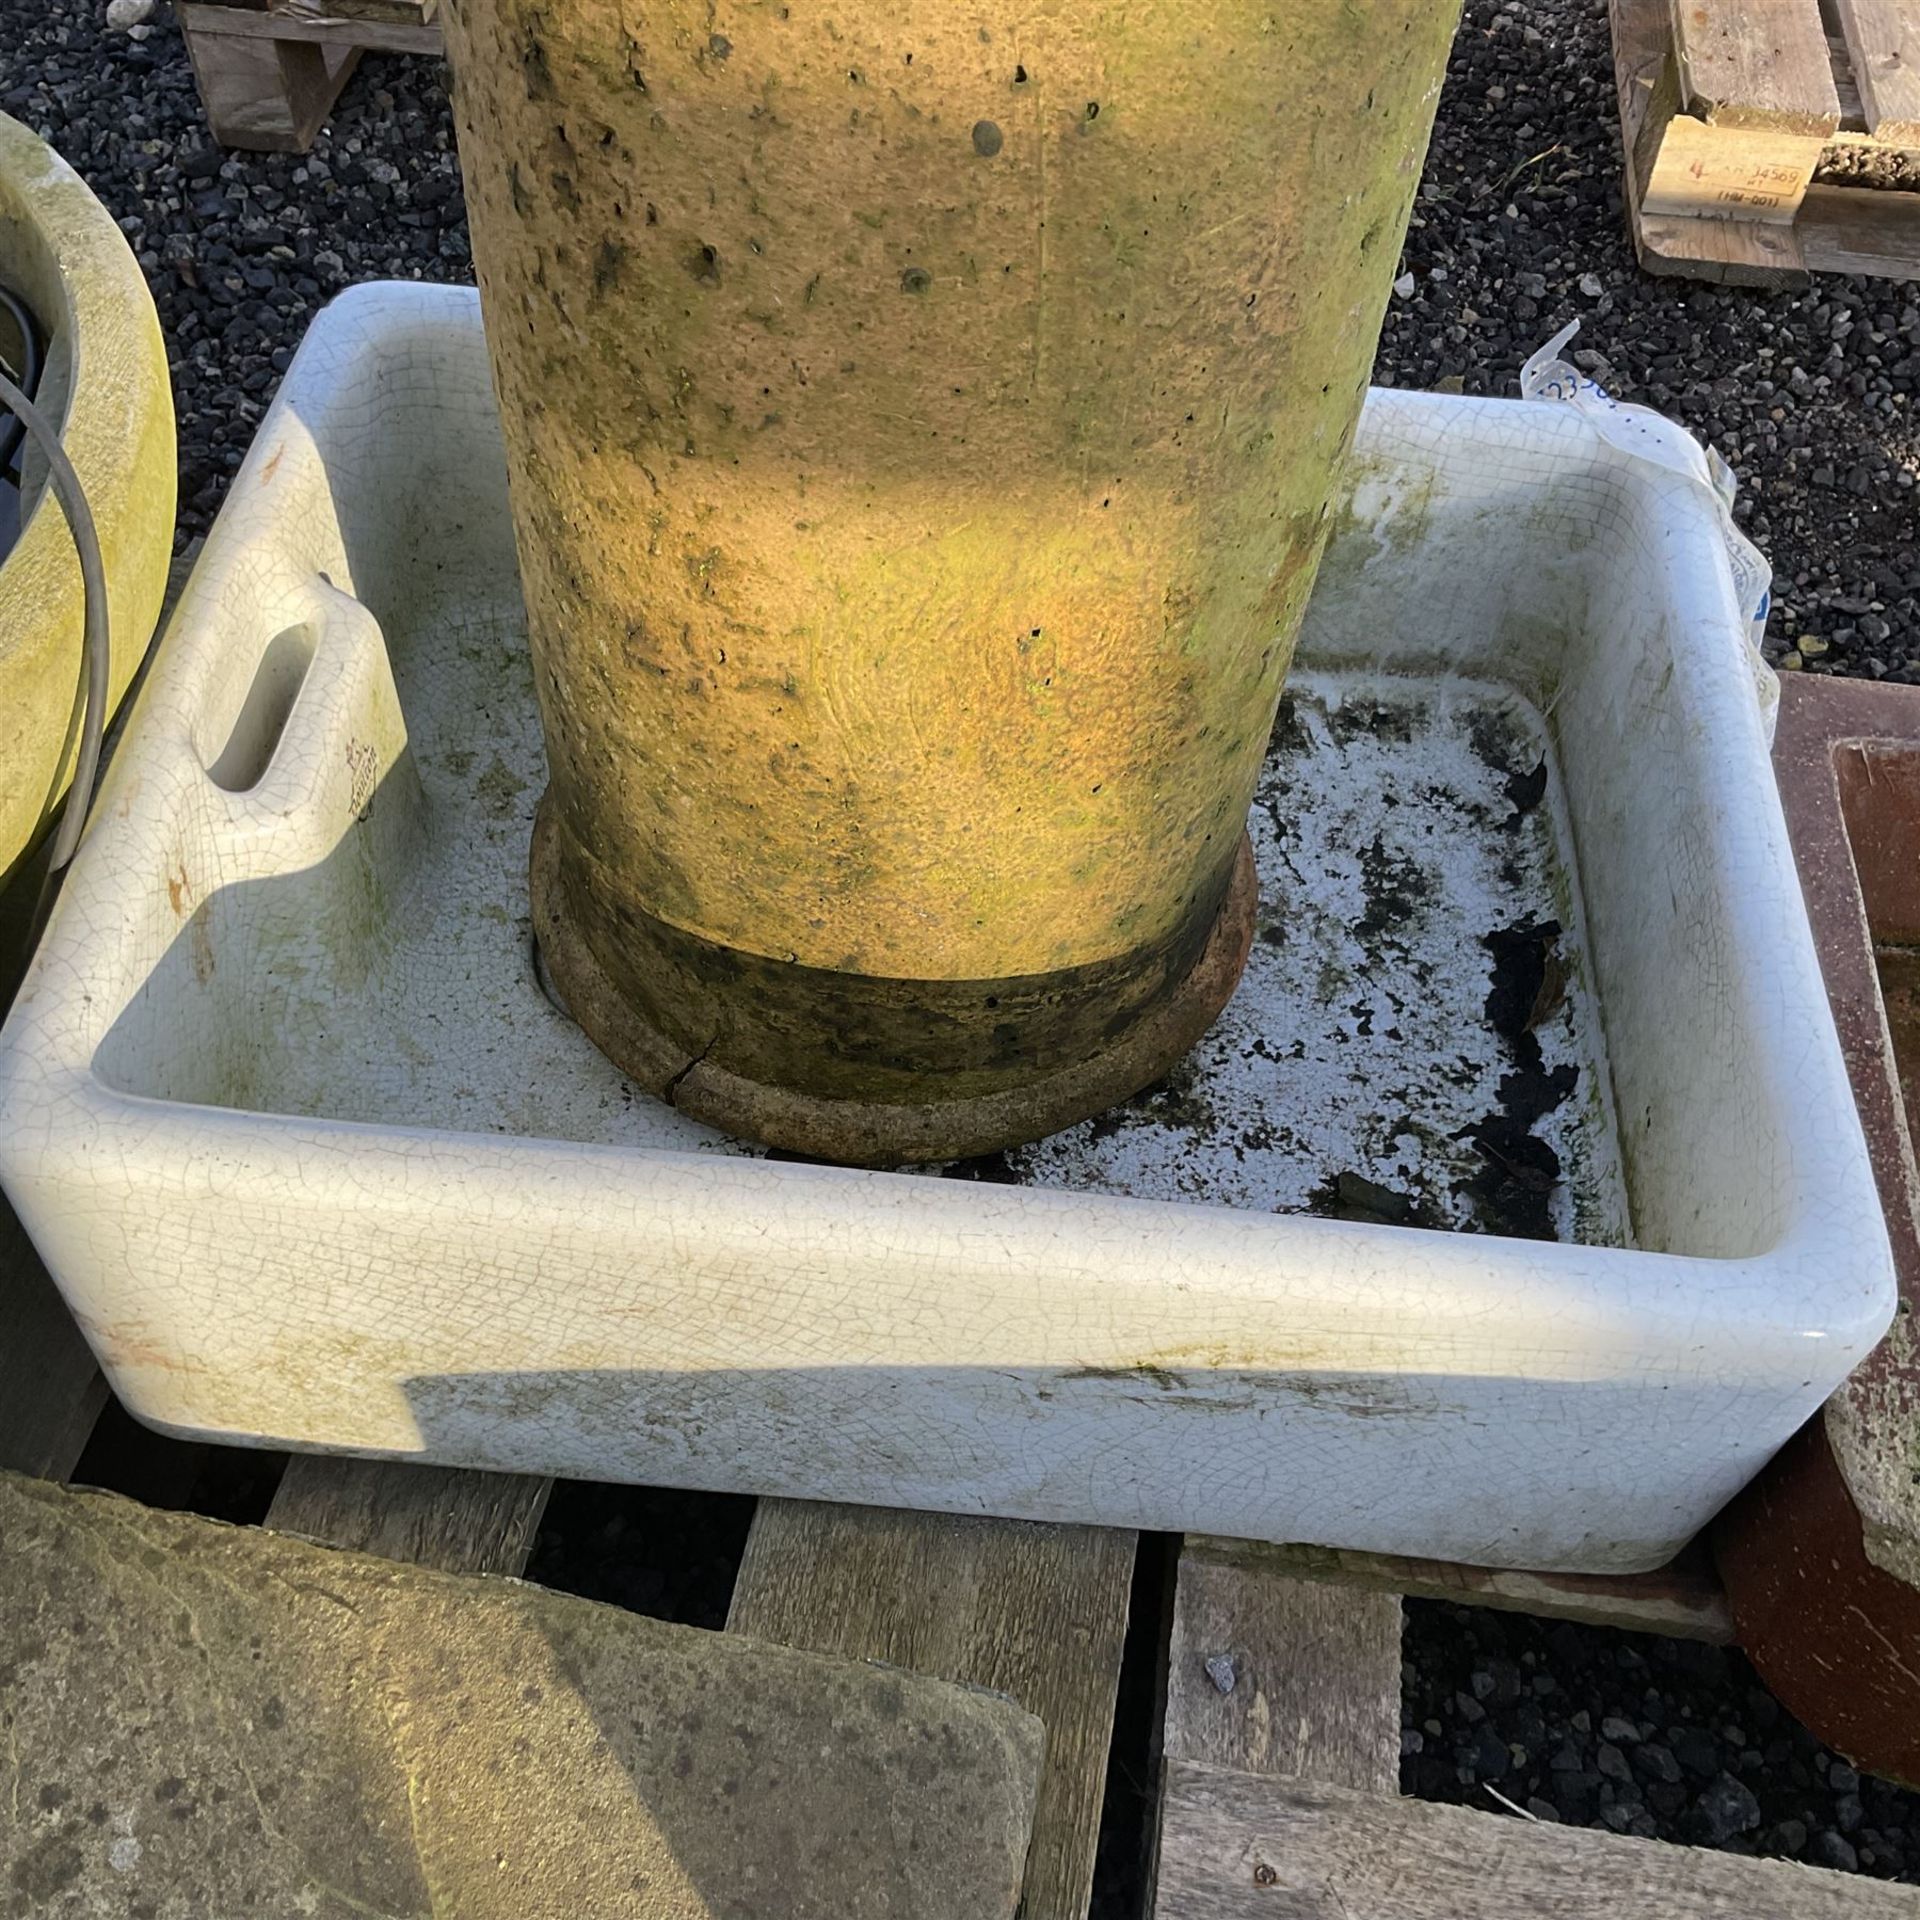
[316,1163]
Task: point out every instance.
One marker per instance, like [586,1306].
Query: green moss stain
[1000,397]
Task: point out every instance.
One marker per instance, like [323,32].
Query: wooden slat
[1731,253]
[51,1392]
[1839,230]
[1233,1845]
[243,23]
[446,1518]
[262,88]
[1035,1612]
[1646,80]
[1861,230]
[1683,1600]
[1680,165]
[1729,172]
[1274,1675]
[1756,63]
[399,13]
[1883,45]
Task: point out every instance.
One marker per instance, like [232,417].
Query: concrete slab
[200,1720]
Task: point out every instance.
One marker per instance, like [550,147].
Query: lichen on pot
[921,426]
[105,383]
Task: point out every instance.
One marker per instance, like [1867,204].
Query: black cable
[13,431]
[95,638]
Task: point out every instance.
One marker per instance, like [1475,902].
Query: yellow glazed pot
[921,420]
[105,381]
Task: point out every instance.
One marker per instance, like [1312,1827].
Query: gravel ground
[240,249]
[1655,1737]
[1809,394]
[1518,227]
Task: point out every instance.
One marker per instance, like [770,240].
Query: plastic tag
[1642,434]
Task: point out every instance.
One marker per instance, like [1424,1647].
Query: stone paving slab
[200,1722]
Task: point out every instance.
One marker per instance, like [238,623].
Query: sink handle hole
[264,714]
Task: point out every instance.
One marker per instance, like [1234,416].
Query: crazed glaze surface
[313,1159]
[922,421]
[106,381]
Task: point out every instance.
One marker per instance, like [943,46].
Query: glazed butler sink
[1515,1212]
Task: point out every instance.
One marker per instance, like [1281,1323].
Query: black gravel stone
[239,249]
[1722,1763]
[1833,1851]
[1696,1750]
[1725,1809]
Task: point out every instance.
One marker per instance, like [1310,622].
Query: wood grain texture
[264,90]
[1677,164]
[244,23]
[1839,230]
[1861,230]
[1753,173]
[1234,1845]
[51,1392]
[1883,46]
[1683,1600]
[447,1518]
[1647,84]
[399,13]
[1756,63]
[1731,253]
[1036,1612]
[1273,1675]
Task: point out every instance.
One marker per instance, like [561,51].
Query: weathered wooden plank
[1756,63]
[1036,1612]
[399,13]
[1861,230]
[1747,173]
[1677,164]
[447,1518]
[1883,47]
[1275,1675]
[1647,86]
[1682,1600]
[1233,1844]
[263,89]
[245,23]
[51,1392]
[1729,252]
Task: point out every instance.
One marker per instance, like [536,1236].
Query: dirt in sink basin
[1415,1041]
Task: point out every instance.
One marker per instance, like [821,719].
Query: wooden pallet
[269,75]
[1728,110]
[1277,1779]
[1279,1792]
